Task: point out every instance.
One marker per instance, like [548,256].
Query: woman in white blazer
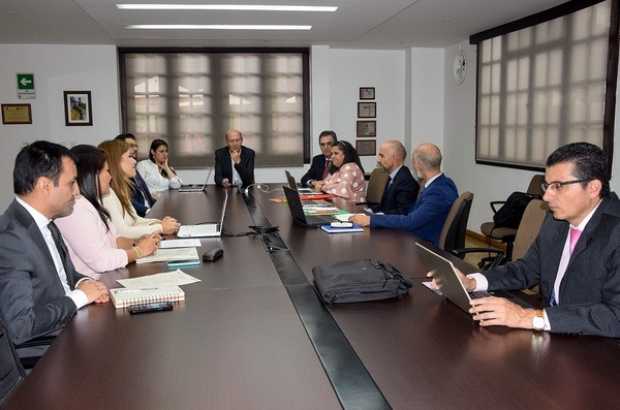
[118,201]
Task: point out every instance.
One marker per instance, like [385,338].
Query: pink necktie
[574,237]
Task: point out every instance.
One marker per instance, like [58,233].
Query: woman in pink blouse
[347,175]
[92,241]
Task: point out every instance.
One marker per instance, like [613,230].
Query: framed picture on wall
[367,93]
[366,129]
[366,148]
[16,114]
[78,108]
[366,110]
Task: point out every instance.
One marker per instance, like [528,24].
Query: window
[191,98]
[542,85]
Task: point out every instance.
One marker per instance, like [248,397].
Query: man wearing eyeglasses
[575,258]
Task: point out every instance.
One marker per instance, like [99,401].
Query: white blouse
[125,224]
[155,181]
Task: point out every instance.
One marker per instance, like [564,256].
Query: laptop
[297,210]
[444,270]
[208,230]
[197,187]
[293,185]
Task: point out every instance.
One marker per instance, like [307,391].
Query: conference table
[252,334]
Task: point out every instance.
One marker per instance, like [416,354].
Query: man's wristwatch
[538,321]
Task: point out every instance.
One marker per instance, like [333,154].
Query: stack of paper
[167,255]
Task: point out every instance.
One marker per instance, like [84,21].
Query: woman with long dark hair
[93,243]
[157,173]
[347,174]
[118,201]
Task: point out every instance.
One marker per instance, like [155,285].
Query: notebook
[204,230]
[124,298]
[331,229]
[168,255]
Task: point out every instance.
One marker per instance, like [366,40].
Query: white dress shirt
[77,296]
[155,181]
[482,284]
[236,178]
[393,175]
[431,179]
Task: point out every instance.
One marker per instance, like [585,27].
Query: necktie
[60,245]
[574,237]
[326,169]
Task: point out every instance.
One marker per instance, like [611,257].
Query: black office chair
[11,370]
[452,235]
[532,220]
[504,234]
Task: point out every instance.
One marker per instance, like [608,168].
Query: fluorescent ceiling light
[216,27]
[242,7]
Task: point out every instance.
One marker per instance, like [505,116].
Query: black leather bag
[359,281]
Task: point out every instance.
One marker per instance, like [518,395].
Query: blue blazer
[428,214]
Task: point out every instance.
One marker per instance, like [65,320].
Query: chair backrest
[532,220]
[455,227]
[535,187]
[376,185]
[11,370]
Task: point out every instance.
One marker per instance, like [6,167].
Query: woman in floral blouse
[347,175]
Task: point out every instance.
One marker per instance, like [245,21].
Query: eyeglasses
[557,186]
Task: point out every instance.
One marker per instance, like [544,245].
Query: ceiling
[356,23]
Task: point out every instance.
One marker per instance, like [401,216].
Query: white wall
[56,68]
[426,81]
[488,183]
[383,69]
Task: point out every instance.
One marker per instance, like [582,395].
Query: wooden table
[237,342]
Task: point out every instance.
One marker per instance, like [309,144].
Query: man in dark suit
[234,163]
[401,189]
[40,290]
[575,258]
[141,197]
[427,216]
[319,169]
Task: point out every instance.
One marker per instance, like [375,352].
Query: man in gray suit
[575,258]
[40,290]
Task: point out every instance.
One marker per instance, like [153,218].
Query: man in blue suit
[427,216]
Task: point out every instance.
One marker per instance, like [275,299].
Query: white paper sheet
[159,280]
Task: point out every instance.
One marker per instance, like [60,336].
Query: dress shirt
[155,181]
[77,296]
[100,252]
[431,179]
[482,284]
[235,174]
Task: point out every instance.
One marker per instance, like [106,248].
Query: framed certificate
[366,148]
[366,129]
[366,110]
[367,93]
[16,114]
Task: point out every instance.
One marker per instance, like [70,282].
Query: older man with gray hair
[427,216]
[401,189]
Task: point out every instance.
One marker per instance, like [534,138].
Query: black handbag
[359,281]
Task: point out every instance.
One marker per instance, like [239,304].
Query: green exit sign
[25,82]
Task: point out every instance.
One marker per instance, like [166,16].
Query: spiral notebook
[124,297]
